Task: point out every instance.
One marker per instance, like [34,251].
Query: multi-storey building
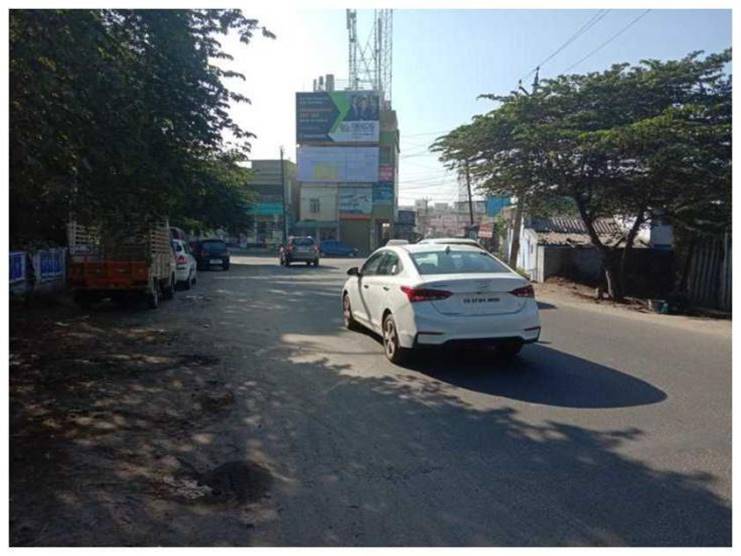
[348,147]
[271,188]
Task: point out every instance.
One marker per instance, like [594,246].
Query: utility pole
[470,198]
[283,195]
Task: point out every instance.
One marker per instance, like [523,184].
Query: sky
[442,60]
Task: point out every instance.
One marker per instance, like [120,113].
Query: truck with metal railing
[120,264]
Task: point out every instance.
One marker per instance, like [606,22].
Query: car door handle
[366,286]
[386,288]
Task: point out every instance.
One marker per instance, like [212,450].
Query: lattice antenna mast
[369,66]
[352,55]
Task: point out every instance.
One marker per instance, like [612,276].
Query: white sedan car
[433,295]
[185,264]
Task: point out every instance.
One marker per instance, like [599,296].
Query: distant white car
[185,264]
[434,295]
[451,241]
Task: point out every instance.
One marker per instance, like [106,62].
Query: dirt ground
[103,411]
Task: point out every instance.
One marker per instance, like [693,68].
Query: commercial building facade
[348,145]
[271,188]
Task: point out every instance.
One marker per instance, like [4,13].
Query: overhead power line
[608,41]
[591,22]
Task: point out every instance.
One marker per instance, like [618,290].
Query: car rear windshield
[214,246]
[456,262]
[303,241]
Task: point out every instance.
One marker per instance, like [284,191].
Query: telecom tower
[370,64]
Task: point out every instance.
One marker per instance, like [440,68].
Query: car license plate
[215,261]
[480,299]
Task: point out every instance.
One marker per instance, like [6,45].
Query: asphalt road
[614,430]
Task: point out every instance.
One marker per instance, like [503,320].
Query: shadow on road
[539,375]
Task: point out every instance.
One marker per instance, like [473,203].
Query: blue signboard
[494,205]
[407,217]
[51,264]
[17,266]
[266,209]
[383,193]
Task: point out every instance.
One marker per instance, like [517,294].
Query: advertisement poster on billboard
[338,164]
[383,193]
[356,200]
[337,116]
[386,172]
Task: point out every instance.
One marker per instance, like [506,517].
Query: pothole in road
[235,481]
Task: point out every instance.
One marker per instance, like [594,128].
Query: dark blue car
[335,248]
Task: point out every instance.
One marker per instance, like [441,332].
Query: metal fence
[710,277]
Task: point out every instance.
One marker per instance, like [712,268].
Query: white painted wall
[327,195]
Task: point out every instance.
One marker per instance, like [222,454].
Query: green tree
[110,111]
[624,142]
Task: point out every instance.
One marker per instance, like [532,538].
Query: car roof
[435,247]
[452,240]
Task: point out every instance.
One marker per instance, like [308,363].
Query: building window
[314,206]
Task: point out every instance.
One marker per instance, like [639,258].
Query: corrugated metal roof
[574,225]
[566,231]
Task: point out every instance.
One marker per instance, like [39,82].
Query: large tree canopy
[627,142]
[120,115]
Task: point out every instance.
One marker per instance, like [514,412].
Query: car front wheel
[349,320]
[391,346]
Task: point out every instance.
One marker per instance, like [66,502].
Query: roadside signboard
[337,117]
[356,200]
[51,264]
[338,164]
[17,266]
[383,193]
[386,172]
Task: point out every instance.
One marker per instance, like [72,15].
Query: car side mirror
[354,271]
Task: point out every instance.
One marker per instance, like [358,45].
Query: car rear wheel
[168,292]
[391,347]
[510,348]
[189,282]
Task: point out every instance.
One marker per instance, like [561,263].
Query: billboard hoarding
[338,164]
[383,193]
[356,200]
[386,172]
[337,116]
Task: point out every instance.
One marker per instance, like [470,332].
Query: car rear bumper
[182,274]
[427,327]
[303,257]
[206,261]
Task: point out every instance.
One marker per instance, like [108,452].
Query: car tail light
[181,259]
[524,291]
[422,294]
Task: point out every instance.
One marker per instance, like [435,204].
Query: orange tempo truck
[120,265]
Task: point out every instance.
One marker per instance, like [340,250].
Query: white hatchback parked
[434,295]
[185,264]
